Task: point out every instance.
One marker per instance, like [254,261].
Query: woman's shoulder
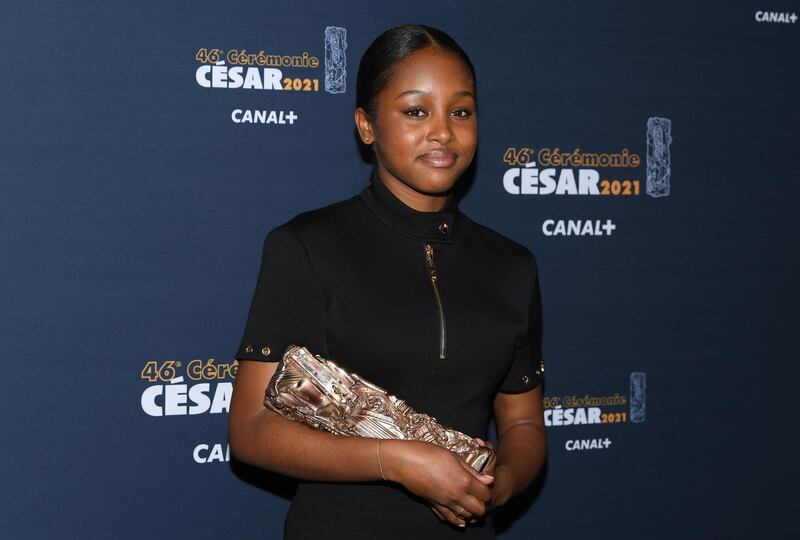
[498,243]
[318,221]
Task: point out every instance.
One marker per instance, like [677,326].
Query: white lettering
[272,79]
[248,116]
[175,399]
[201,453]
[572,416]
[508,181]
[235,77]
[182,399]
[196,454]
[578,227]
[548,181]
[533,181]
[200,401]
[222,398]
[588,179]
[587,444]
[528,181]
[566,183]
[251,79]
[776,17]
[221,76]
[573,227]
[202,76]
[149,396]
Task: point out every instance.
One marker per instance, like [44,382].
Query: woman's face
[425,128]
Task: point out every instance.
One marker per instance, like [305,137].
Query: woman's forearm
[263,438]
[521,452]
[270,441]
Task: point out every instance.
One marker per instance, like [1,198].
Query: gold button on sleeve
[248,349]
[265,351]
[525,379]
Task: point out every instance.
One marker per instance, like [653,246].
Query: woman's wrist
[378,454]
[503,486]
[390,462]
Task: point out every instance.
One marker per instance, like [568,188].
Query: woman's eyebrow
[426,93]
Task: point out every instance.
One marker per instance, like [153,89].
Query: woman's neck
[422,202]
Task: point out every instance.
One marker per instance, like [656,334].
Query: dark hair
[395,44]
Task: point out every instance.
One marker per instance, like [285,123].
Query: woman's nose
[439,128]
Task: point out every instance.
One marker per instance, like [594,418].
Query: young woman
[401,287]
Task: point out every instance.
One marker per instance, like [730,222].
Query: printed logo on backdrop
[177,388]
[211,453]
[780,17]
[547,171]
[271,70]
[574,411]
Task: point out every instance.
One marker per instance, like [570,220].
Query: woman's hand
[502,480]
[499,487]
[456,492]
[498,497]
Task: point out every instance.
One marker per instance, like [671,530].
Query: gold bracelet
[378,448]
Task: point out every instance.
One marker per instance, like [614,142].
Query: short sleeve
[527,367]
[288,306]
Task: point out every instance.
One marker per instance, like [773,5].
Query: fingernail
[462,524]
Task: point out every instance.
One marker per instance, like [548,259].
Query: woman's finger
[484,443]
[469,506]
[480,489]
[438,514]
[449,515]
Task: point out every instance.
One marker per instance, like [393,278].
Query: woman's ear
[364,126]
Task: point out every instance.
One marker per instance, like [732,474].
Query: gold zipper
[432,273]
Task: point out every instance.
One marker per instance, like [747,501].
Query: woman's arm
[263,438]
[521,442]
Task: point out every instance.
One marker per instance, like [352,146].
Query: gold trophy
[310,389]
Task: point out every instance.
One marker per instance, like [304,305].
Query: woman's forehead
[429,71]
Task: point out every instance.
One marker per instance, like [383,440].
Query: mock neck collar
[426,226]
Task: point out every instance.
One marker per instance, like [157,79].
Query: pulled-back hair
[395,44]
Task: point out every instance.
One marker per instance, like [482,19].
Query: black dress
[352,281]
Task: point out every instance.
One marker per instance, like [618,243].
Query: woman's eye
[415,112]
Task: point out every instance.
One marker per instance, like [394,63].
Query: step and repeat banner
[646,153]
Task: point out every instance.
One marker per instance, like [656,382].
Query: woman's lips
[439,158]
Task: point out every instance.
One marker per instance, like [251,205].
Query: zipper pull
[429,259]
[434,277]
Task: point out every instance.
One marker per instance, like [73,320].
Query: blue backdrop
[646,153]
